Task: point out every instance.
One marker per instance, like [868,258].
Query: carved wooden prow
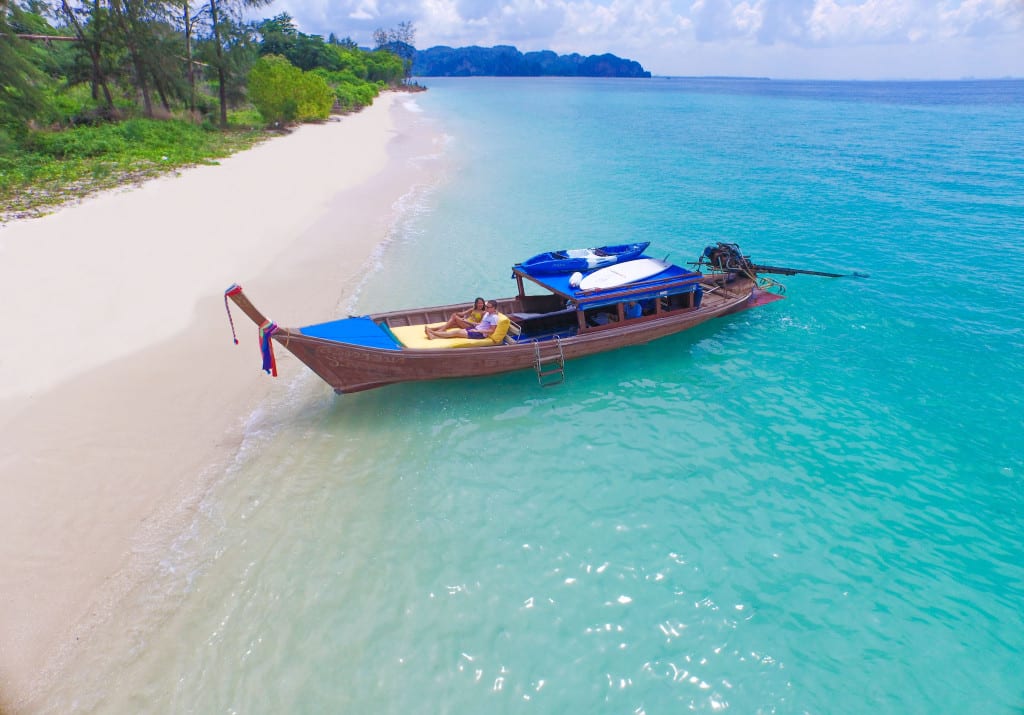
[245,305]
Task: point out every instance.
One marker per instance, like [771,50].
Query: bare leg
[455,321]
[442,333]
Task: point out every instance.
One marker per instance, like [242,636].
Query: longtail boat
[536,330]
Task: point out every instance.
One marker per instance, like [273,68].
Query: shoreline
[127,396]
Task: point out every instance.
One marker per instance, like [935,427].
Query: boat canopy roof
[674,279]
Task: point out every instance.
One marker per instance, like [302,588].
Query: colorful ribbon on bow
[267,330]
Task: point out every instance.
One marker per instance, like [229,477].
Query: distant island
[507,61]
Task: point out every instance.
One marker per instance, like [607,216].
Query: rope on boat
[235,289]
[767,284]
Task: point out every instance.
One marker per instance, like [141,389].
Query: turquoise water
[814,507]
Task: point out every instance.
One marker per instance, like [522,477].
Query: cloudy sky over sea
[803,39]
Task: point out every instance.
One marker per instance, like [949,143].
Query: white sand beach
[122,391]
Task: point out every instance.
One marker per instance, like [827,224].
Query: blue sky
[806,39]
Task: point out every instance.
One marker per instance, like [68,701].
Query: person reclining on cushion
[483,329]
[466,319]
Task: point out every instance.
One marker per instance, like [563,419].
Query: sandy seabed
[122,394]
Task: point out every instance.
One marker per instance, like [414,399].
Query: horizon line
[754,78]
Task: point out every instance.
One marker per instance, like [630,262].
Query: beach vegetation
[283,93]
[52,167]
[99,92]
[349,94]
[399,41]
[22,82]
[228,36]
[355,76]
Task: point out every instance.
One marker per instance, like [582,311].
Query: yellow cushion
[412,336]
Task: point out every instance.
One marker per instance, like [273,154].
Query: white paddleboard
[622,273]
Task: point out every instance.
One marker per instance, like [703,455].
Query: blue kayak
[580,259]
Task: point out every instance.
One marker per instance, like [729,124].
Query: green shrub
[72,105]
[245,118]
[346,97]
[8,146]
[77,143]
[46,167]
[315,98]
[384,66]
[350,92]
[282,92]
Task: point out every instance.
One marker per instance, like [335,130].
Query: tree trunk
[191,65]
[93,47]
[94,52]
[162,93]
[221,74]
[140,78]
[128,27]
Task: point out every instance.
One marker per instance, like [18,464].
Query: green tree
[221,12]
[91,41]
[307,52]
[383,66]
[399,40]
[21,93]
[352,60]
[346,42]
[189,22]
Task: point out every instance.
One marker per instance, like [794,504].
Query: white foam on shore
[411,105]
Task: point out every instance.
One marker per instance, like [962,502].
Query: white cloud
[874,21]
[601,26]
[978,18]
[747,18]
[751,37]
[914,21]
[367,10]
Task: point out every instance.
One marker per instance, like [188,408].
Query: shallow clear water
[811,507]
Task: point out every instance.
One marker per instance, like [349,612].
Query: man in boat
[482,329]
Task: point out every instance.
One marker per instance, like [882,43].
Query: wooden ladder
[549,363]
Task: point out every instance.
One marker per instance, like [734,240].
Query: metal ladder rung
[555,364]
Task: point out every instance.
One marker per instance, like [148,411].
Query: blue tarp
[674,279]
[355,331]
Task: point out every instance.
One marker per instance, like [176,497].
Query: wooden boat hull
[354,368]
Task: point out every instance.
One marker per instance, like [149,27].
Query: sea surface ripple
[814,507]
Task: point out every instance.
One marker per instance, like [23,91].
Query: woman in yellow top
[484,329]
[466,319]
